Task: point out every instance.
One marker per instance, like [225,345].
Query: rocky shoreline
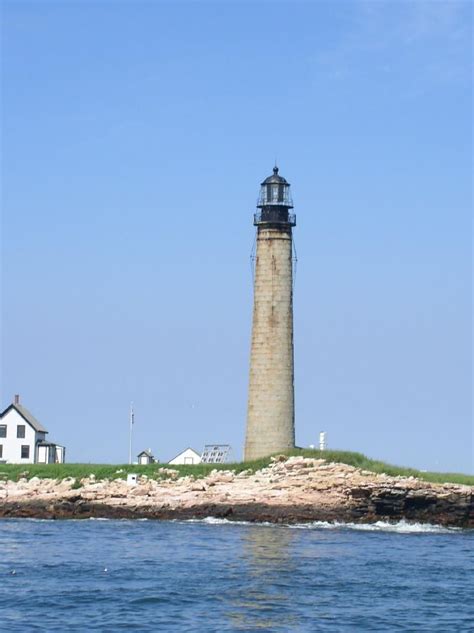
[290,490]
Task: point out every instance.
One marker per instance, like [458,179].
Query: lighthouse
[271,399]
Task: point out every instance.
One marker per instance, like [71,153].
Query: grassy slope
[110,471]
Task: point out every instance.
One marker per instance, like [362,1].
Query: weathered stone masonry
[270,418]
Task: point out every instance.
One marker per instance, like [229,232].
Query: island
[287,489]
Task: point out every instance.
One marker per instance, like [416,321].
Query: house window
[3,430]
[25,451]
[1,451]
[20,431]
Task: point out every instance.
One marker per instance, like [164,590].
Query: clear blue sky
[135,136]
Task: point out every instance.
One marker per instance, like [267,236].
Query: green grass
[110,471]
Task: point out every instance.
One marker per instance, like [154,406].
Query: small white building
[23,438]
[188,457]
[146,457]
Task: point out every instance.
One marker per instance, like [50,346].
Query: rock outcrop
[290,490]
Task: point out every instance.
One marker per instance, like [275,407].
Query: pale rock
[138,492]
[198,487]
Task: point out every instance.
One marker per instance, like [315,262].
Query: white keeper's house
[23,438]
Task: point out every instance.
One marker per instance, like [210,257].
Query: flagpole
[130,434]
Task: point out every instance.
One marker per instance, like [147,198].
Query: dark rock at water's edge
[451,510]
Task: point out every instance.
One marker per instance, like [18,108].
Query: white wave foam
[400,527]
[218,521]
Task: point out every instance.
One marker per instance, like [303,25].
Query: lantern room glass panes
[274,194]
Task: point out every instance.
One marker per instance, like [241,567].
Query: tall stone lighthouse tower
[271,403]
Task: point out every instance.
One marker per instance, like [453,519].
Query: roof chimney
[17,398]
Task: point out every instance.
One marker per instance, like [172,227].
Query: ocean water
[217,576]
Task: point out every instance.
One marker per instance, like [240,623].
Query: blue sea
[213,576]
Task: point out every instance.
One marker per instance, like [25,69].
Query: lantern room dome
[275,179]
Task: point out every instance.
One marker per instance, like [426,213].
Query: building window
[1,451]
[3,430]
[20,431]
[25,451]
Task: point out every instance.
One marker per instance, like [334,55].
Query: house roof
[147,453]
[186,449]
[26,415]
[48,443]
